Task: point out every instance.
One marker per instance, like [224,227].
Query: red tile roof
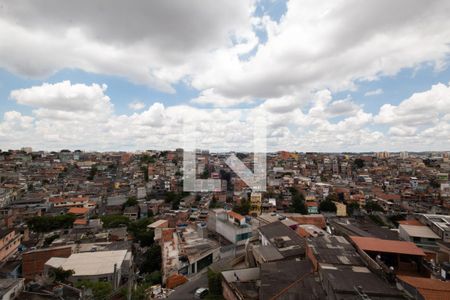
[175,280]
[410,222]
[56,199]
[80,222]
[430,289]
[78,210]
[317,220]
[387,246]
[388,197]
[78,199]
[236,215]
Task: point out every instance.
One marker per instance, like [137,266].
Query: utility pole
[130,280]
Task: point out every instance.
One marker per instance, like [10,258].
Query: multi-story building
[9,243]
[255,204]
[440,224]
[230,225]
[60,202]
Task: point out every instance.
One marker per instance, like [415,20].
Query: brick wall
[34,261]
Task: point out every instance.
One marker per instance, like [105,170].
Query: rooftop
[347,280]
[193,244]
[430,289]
[285,239]
[235,215]
[441,221]
[419,231]
[334,250]
[159,223]
[387,246]
[80,222]
[78,210]
[310,230]
[292,279]
[410,222]
[91,263]
[7,283]
[317,220]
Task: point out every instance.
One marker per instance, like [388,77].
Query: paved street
[187,290]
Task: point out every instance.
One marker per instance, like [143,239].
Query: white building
[230,225]
[95,266]
[440,224]
[420,235]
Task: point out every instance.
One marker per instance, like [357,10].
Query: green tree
[131,201]
[144,170]
[332,197]
[141,234]
[170,197]
[175,198]
[205,174]
[298,204]
[373,206]
[152,260]
[147,159]
[352,207]
[101,290]
[214,283]
[62,275]
[327,206]
[140,293]
[358,163]
[434,183]
[92,172]
[154,277]
[243,208]
[114,221]
[50,239]
[213,203]
[48,223]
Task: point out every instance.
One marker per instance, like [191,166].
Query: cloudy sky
[337,75]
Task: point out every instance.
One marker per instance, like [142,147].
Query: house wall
[100,277]
[403,234]
[14,291]
[9,245]
[231,231]
[34,261]
[227,291]
[341,209]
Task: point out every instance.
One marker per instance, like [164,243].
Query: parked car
[201,293]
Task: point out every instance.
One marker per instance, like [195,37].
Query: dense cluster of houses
[330,226]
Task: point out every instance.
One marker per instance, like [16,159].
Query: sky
[328,76]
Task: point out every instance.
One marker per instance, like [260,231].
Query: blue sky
[121,91]
[305,63]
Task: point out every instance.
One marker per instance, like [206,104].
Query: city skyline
[371,77]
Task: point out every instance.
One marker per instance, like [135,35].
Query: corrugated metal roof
[388,246]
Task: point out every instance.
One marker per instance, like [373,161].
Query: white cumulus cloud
[374,92]
[136,105]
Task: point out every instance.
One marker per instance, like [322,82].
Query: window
[243,236]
